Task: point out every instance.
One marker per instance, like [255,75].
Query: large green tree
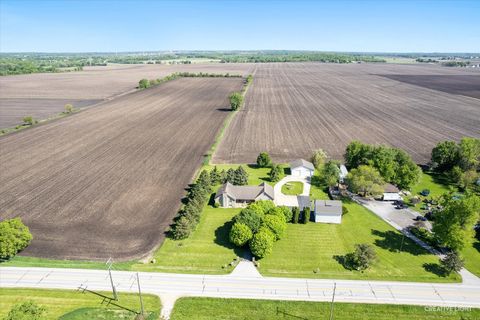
[236,100]
[241,176]
[240,234]
[318,158]
[331,173]
[453,225]
[275,173]
[14,237]
[445,155]
[365,180]
[261,243]
[263,160]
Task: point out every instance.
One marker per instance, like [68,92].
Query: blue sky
[366,26]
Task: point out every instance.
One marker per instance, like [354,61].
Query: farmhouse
[231,196]
[391,193]
[343,173]
[328,211]
[301,168]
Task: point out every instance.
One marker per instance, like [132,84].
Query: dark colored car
[420,218]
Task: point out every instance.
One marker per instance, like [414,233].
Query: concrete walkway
[287,200]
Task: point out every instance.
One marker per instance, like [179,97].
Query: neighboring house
[302,168]
[231,196]
[343,173]
[328,211]
[391,193]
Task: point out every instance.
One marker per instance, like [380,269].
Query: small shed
[328,211]
[391,193]
[302,168]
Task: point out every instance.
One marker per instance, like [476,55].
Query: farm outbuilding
[302,168]
[328,211]
[391,193]
[231,196]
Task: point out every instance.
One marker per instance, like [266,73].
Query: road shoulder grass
[236,309]
[59,303]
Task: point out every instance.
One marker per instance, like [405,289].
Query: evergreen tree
[215,177]
[275,173]
[296,214]
[230,176]
[241,176]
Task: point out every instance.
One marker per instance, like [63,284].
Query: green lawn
[315,250]
[471,254]
[21,261]
[292,188]
[207,250]
[237,309]
[437,185]
[69,304]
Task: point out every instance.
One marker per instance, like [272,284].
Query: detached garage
[328,211]
[302,168]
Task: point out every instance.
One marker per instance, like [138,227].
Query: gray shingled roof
[301,163]
[328,207]
[245,192]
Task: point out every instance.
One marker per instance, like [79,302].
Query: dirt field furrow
[293,108]
[108,180]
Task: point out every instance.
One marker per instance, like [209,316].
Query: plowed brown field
[107,181]
[42,95]
[294,108]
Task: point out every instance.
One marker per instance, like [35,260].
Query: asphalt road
[171,286]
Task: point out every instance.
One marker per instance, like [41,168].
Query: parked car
[430,216]
[425,192]
[420,218]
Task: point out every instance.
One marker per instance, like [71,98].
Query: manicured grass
[61,302]
[471,254]
[21,261]
[292,188]
[437,185]
[315,250]
[236,309]
[205,251]
[255,175]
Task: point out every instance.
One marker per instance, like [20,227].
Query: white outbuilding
[302,168]
[343,173]
[391,193]
[328,211]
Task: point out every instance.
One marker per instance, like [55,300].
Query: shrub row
[189,216]
[145,83]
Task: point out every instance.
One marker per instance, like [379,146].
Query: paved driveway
[402,218]
[286,200]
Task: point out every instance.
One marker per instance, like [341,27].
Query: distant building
[302,168]
[343,173]
[328,211]
[231,196]
[391,193]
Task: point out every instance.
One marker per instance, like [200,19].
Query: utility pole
[333,299]
[114,291]
[140,294]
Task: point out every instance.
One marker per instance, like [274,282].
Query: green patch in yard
[317,250]
[70,305]
[236,309]
[436,184]
[207,251]
[292,188]
[471,254]
[22,261]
